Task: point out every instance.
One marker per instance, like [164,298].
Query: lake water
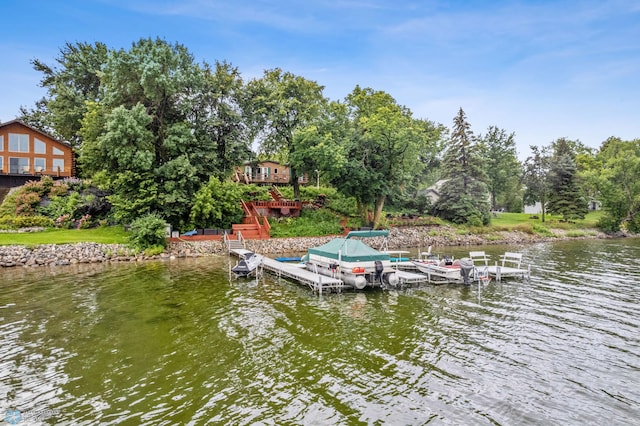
[182,343]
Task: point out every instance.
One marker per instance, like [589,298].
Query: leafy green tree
[217,114]
[148,231]
[320,145]
[217,205]
[464,197]
[73,82]
[383,151]
[282,104]
[566,197]
[501,166]
[535,178]
[122,158]
[617,179]
[139,140]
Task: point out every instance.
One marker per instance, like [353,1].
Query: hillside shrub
[346,206]
[148,231]
[26,203]
[310,223]
[255,192]
[58,189]
[64,221]
[40,187]
[216,205]
[17,222]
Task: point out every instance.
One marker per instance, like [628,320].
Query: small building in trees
[535,208]
[267,172]
[26,152]
[433,192]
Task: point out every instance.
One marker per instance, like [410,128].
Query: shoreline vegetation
[399,238]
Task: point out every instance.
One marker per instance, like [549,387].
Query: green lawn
[105,235]
[509,220]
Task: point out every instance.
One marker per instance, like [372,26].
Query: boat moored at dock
[355,263]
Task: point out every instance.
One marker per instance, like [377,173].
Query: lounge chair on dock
[510,265]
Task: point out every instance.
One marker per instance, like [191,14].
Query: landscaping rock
[399,238]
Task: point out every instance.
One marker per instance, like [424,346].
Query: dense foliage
[464,197]
[148,231]
[311,223]
[566,198]
[159,133]
[66,203]
[216,205]
[616,176]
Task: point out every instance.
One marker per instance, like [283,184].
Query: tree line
[162,133]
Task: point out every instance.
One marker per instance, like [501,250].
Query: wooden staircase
[276,194]
[253,226]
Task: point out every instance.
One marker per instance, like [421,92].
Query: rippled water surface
[182,343]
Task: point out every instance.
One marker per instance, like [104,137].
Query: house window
[1,143]
[58,164]
[39,147]
[39,165]
[264,172]
[57,151]
[1,164]
[19,165]
[18,142]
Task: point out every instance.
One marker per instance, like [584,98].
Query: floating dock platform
[317,282]
[509,266]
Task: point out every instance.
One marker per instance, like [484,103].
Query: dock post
[320,284]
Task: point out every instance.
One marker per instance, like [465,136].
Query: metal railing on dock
[316,282]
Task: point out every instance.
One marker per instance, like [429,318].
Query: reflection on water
[184,343]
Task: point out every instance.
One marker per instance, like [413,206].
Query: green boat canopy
[348,250]
[366,234]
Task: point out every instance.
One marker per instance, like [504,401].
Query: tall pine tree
[566,197]
[464,197]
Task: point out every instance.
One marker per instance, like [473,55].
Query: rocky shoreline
[399,238]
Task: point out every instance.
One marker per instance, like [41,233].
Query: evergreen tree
[566,197]
[464,197]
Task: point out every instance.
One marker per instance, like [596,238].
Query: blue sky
[541,69]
